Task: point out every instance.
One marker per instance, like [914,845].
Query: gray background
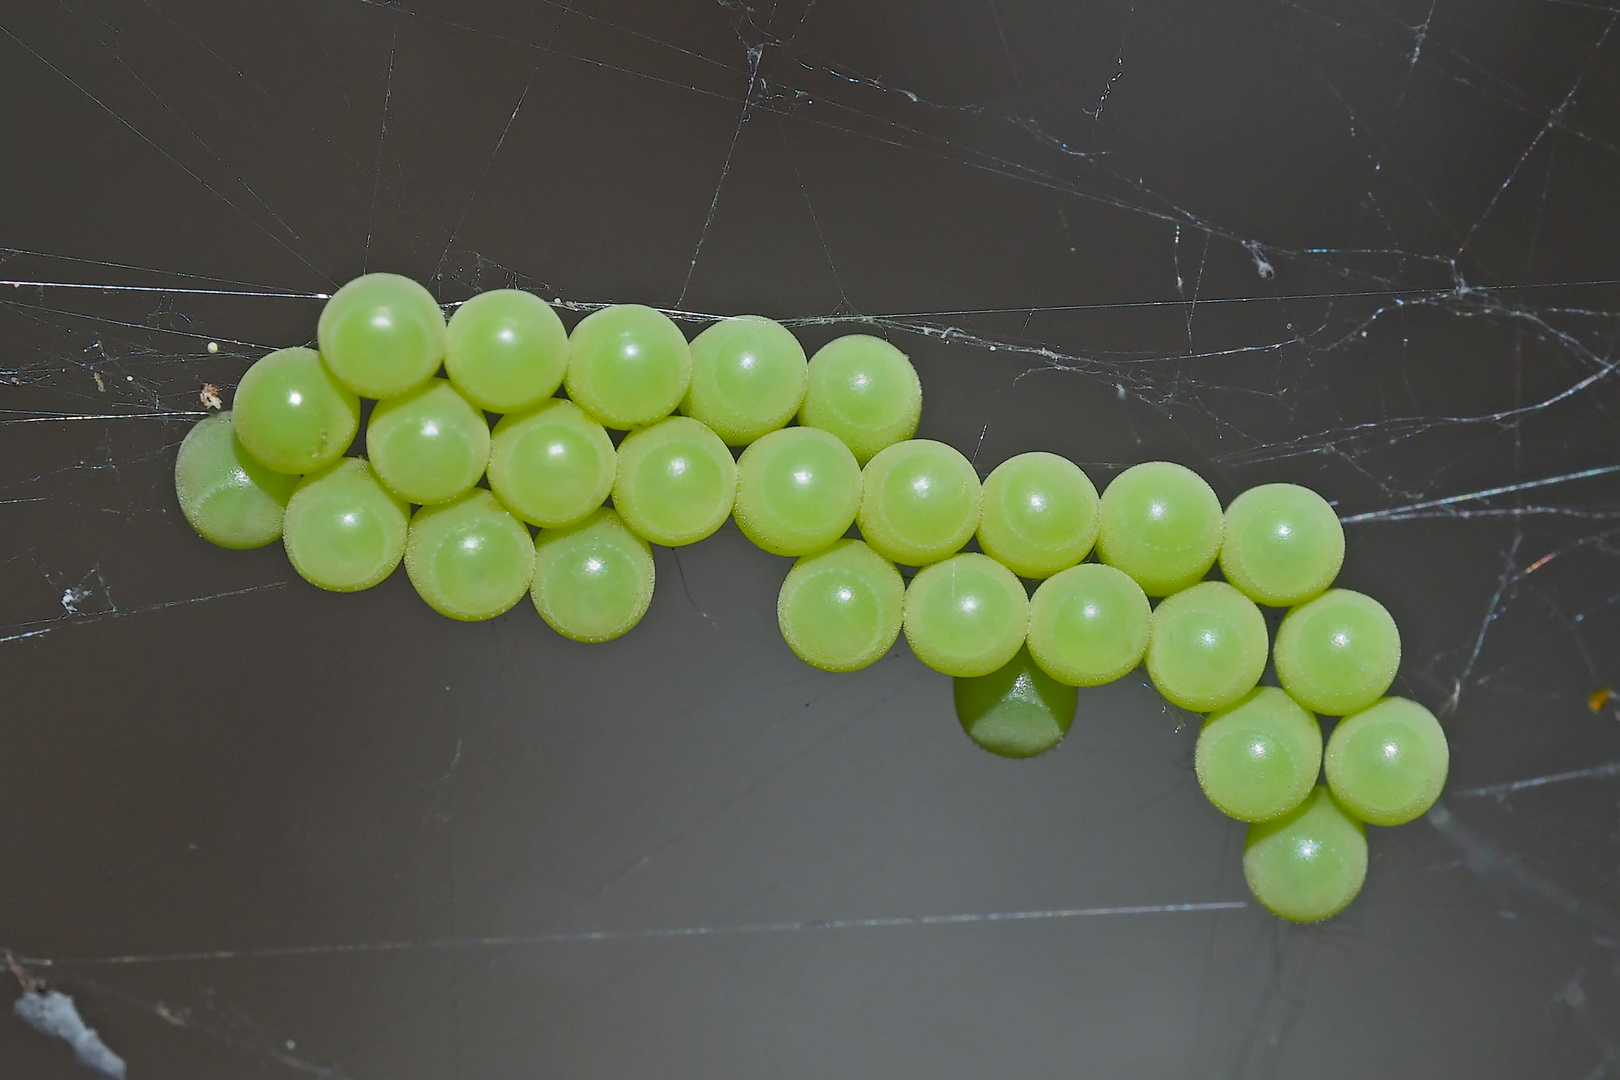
[259,830]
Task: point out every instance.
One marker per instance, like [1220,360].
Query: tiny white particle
[52,1013]
[213,346]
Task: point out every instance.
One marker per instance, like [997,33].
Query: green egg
[748,378]
[292,415]
[1387,763]
[1018,710]
[593,581]
[1339,653]
[1207,648]
[1089,625]
[1258,759]
[382,334]
[920,502]
[344,531]
[428,445]
[1283,544]
[865,391]
[628,366]
[506,351]
[1160,523]
[676,482]
[841,609]
[1310,863]
[225,494]
[1039,515]
[469,558]
[966,616]
[798,490]
[552,465]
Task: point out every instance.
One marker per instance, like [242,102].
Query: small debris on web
[73,597]
[210,397]
[213,346]
[52,1013]
[100,385]
[1262,265]
[1600,697]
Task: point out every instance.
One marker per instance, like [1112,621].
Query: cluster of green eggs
[276,467]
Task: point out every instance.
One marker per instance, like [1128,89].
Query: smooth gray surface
[1370,247]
